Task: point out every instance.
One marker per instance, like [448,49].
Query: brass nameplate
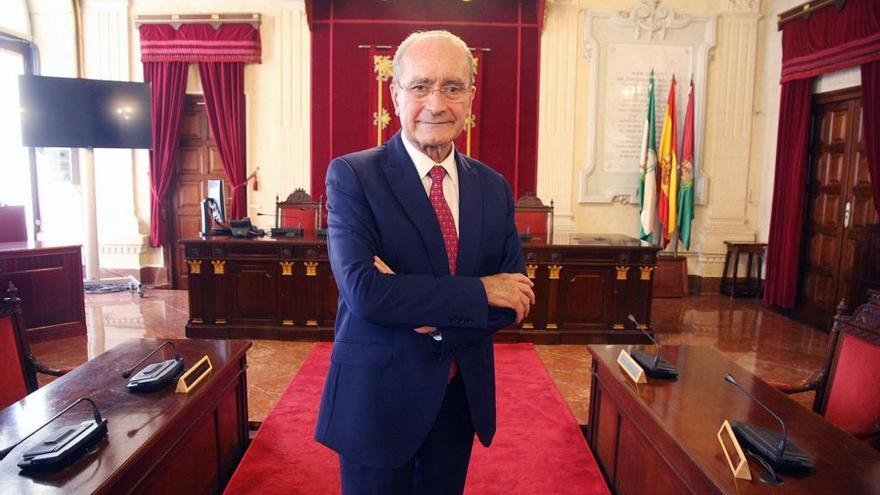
[733,453]
[194,376]
[631,368]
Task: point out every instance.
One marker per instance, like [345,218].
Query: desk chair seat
[18,367]
[846,386]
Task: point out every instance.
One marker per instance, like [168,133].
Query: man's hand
[385,269]
[510,290]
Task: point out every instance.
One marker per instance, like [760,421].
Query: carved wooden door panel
[839,206]
[198,161]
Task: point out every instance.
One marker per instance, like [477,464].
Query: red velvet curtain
[871,123]
[168,86]
[789,191]
[223,49]
[223,85]
[829,40]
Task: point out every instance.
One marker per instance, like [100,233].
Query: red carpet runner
[538,448]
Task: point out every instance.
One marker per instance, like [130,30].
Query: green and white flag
[648,171]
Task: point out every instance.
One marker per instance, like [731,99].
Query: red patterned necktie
[444,215]
[447,227]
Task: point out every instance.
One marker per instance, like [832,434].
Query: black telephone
[244,228]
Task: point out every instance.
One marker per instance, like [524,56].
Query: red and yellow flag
[668,159]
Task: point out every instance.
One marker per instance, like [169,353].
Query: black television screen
[84,113]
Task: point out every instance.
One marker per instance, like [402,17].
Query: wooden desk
[160,442]
[50,283]
[660,438]
[585,285]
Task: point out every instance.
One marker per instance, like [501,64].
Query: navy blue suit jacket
[386,382]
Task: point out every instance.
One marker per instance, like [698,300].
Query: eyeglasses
[451,92]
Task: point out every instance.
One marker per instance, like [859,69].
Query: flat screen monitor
[84,113]
[215,192]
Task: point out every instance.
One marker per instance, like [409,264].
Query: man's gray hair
[441,34]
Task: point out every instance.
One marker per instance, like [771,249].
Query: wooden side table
[751,283]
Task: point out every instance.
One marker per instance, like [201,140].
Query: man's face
[433,94]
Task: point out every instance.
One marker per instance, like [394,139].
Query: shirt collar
[424,163]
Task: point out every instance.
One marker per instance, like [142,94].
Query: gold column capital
[219,267]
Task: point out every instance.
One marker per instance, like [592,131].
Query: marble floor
[761,341]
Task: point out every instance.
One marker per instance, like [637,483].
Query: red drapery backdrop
[223,85]
[871,123]
[221,50]
[168,82]
[829,40]
[344,89]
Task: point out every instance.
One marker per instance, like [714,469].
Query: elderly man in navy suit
[428,263]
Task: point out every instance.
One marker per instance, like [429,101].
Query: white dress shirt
[424,164]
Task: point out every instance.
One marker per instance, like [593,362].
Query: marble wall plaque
[622,47]
[626,98]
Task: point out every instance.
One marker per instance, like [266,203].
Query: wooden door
[197,162]
[839,206]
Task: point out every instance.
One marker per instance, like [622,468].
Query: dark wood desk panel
[586,285]
[160,442]
[50,283]
[660,437]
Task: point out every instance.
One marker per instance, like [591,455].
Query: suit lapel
[470,217]
[407,187]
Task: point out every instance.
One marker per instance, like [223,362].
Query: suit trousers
[440,464]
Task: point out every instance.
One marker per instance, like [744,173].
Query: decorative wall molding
[613,41]
[729,134]
[752,6]
[556,134]
[651,19]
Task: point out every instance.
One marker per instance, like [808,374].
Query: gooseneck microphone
[646,334]
[65,446]
[781,454]
[654,366]
[127,373]
[780,447]
[156,375]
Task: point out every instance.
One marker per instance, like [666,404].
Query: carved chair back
[299,210]
[533,216]
[849,392]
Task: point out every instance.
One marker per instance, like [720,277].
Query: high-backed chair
[847,385]
[533,217]
[299,210]
[18,367]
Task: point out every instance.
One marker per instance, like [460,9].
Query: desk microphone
[776,450]
[64,446]
[654,366]
[156,375]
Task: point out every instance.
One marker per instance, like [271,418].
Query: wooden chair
[18,367]
[847,385]
[533,217]
[299,210]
